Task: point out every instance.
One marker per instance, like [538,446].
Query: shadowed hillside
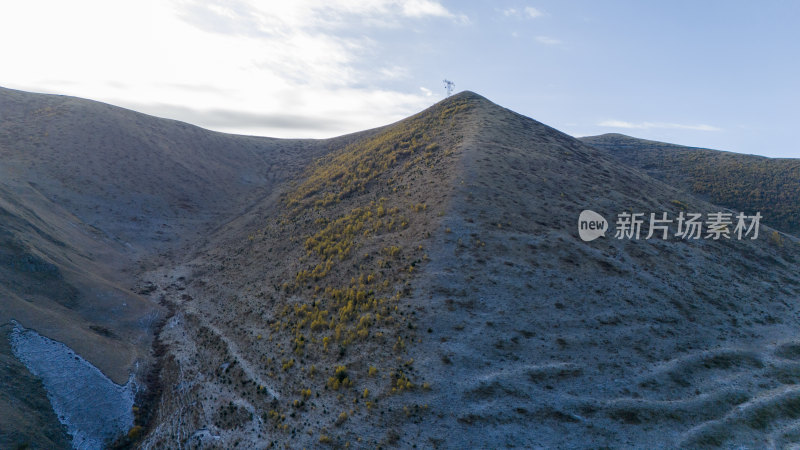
[741,182]
[425,285]
[90,196]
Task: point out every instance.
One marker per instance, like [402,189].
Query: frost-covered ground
[94,409]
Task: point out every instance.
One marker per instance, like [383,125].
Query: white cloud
[529,12]
[547,40]
[426,91]
[533,12]
[657,125]
[394,73]
[423,8]
[186,58]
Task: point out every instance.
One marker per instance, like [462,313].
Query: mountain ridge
[419,283]
[508,306]
[734,180]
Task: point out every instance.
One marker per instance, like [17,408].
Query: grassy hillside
[420,284]
[425,285]
[741,182]
[91,195]
[316,324]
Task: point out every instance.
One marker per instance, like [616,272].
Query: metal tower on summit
[448,86]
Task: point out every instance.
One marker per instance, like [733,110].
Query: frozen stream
[94,409]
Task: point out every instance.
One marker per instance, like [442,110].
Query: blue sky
[717,74]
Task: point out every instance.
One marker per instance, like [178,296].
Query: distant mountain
[420,284]
[740,182]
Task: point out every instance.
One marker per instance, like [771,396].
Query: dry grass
[420,283]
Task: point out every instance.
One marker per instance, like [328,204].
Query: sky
[715,74]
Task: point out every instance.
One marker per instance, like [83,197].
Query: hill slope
[741,182]
[425,285]
[91,195]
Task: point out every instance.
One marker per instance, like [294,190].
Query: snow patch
[94,409]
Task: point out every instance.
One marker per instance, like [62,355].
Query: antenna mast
[449,85]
